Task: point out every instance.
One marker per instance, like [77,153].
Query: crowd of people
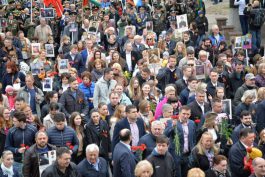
[121,90]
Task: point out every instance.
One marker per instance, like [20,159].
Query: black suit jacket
[211,89]
[196,112]
[77,63]
[135,57]
[236,156]
[122,124]
[180,85]
[171,46]
[124,161]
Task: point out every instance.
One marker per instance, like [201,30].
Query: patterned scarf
[7,171]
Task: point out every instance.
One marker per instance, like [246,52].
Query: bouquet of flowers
[69,145]
[139,150]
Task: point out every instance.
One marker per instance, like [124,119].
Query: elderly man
[216,37]
[36,151]
[93,165]
[43,31]
[167,112]
[248,85]
[62,166]
[259,167]
[32,95]
[157,129]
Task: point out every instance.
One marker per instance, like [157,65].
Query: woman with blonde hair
[73,72]
[118,74]
[143,169]
[261,144]
[195,172]
[180,51]
[7,169]
[261,95]
[117,116]
[202,154]
[260,78]
[134,89]
[247,103]
[210,126]
[42,58]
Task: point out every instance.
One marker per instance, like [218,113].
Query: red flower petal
[197,121]
[175,117]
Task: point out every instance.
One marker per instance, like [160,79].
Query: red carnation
[22,145]
[175,117]
[197,121]
[249,149]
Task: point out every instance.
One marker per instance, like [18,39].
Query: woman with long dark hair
[77,124]
[12,76]
[97,132]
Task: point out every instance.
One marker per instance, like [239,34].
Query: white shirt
[186,137]
[241,6]
[129,60]
[201,106]
[214,84]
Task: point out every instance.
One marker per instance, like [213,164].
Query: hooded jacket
[163,165]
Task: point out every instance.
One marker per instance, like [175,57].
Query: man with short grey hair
[167,111]
[93,165]
[157,129]
[258,165]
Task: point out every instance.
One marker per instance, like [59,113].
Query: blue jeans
[244,23]
[18,166]
[199,39]
[256,35]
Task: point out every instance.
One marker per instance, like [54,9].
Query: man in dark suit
[260,112]
[75,59]
[93,165]
[238,152]
[246,122]
[171,45]
[169,74]
[213,83]
[182,83]
[199,106]
[131,57]
[157,129]
[181,127]
[132,123]
[124,161]
[137,45]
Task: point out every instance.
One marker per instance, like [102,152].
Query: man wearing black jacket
[161,160]
[62,165]
[19,138]
[36,151]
